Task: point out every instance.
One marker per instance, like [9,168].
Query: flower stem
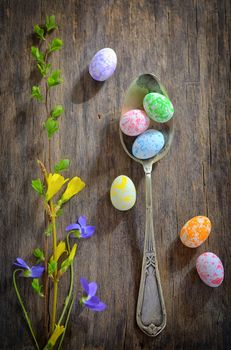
[46,245]
[46,287]
[23,308]
[66,323]
[55,291]
[45,278]
[67,300]
[55,297]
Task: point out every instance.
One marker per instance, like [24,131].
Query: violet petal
[95,306]
[37,271]
[82,220]
[92,286]
[99,307]
[21,263]
[87,232]
[84,283]
[73,227]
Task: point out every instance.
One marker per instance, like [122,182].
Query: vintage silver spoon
[151,312]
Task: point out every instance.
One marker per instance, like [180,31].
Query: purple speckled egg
[210,269]
[103,64]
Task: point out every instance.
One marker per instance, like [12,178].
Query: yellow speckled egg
[123,193]
[195,231]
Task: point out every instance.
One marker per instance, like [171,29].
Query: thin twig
[23,307]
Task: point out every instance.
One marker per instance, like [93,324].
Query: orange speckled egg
[195,231]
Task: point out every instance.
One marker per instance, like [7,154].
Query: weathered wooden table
[186,44]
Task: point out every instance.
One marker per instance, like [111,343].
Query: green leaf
[37,186]
[54,78]
[62,165]
[59,213]
[65,265]
[37,287]
[36,93]
[38,253]
[51,126]
[39,32]
[55,45]
[51,23]
[52,267]
[44,68]
[49,230]
[37,54]
[57,111]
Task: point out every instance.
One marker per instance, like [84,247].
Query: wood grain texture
[187,45]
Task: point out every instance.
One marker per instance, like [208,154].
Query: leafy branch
[52,76]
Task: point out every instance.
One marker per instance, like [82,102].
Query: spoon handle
[150,313]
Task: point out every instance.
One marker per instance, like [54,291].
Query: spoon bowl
[151,312]
[134,96]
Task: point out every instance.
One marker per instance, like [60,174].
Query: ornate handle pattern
[150,313]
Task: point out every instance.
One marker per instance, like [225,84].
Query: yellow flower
[74,186]
[61,248]
[72,253]
[56,334]
[54,184]
[66,263]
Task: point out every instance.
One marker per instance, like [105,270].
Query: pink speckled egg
[210,269]
[134,122]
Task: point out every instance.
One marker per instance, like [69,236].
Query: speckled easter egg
[158,107]
[148,144]
[123,193]
[210,269]
[195,231]
[103,64]
[134,122]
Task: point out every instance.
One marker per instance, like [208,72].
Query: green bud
[57,111]
[55,45]
[38,253]
[36,93]
[51,126]
[37,186]
[39,32]
[51,23]
[52,267]
[54,78]
[44,68]
[37,287]
[62,165]
[37,54]
[48,230]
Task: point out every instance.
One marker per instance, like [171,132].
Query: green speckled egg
[158,107]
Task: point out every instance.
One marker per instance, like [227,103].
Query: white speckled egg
[134,122]
[103,64]
[123,193]
[148,144]
[210,269]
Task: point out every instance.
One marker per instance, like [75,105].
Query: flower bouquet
[55,191]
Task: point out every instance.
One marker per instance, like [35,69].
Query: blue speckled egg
[148,144]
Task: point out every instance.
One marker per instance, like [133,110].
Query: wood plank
[186,44]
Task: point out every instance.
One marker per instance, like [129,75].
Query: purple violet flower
[91,300]
[82,230]
[33,272]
